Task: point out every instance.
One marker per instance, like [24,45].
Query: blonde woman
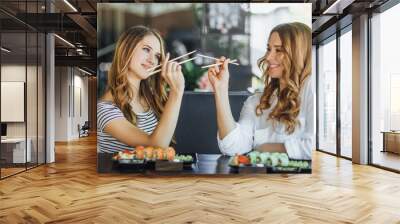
[281,118]
[135,109]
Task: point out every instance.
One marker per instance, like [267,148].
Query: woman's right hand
[219,75]
[172,74]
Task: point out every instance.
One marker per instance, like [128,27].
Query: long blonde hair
[296,47]
[151,89]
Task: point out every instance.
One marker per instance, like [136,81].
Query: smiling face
[146,55]
[274,56]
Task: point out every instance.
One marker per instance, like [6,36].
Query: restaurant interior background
[239,31]
[235,30]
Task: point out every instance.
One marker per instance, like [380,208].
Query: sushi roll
[126,155]
[170,153]
[139,147]
[242,159]
[274,159]
[299,164]
[148,152]
[305,165]
[283,159]
[264,157]
[139,152]
[254,157]
[188,158]
[158,154]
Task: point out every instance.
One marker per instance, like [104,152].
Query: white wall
[61,103]
[70,83]
[13,73]
[33,126]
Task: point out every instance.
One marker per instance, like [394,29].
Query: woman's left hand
[172,73]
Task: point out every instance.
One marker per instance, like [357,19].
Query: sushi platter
[152,158]
[259,162]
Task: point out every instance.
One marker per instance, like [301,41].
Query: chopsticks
[231,62]
[187,60]
[153,71]
[205,56]
[155,67]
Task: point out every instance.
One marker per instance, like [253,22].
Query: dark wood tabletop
[206,164]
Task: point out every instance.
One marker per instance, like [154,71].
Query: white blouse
[252,131]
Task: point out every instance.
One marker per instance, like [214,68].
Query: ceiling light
[70,5]
[65,41]
[84,71]
[5,49]
[337,7]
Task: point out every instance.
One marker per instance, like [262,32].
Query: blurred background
[235,30]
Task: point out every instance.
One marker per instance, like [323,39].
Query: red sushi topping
[243,159]
[127,151]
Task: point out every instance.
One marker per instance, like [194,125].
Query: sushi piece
[170,153]
[254,157]
[274,158]
[158,154]
[139,147]
[243,160]
[305,165]
[148,152]
[126,154]
[283,159]
[264,157]
[188,158]
[299,164]
[139,152]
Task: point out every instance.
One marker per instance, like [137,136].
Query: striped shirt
[106,112]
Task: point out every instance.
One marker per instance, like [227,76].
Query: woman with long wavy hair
[135,109]
[281,118]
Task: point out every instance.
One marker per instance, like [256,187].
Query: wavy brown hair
[151,89]
[296,48]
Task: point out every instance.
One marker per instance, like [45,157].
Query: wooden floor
[10,171]
[386,159]
[70,191]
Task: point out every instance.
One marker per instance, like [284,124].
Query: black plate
[281,169]
[188,165]
[129,166]
[248,169]
[289,169]
[130,161]
[139,166]
[165,165]
[251,168]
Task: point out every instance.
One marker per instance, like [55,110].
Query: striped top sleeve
[107,112]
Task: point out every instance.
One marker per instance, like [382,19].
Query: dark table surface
[215,164]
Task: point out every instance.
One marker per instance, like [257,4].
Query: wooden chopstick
[155,67]
[207,66]
[205,56]
[181,62]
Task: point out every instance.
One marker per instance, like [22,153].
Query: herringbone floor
[70,191]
